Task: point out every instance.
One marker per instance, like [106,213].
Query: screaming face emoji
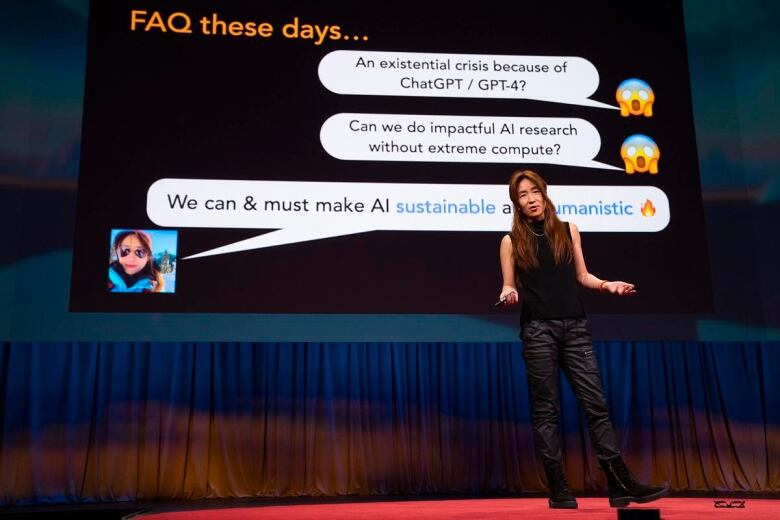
[640,154]
[635,98]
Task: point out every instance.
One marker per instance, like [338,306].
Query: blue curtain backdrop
[125,421]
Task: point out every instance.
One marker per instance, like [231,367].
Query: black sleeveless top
[549,291]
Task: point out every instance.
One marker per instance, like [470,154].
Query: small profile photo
[142,261]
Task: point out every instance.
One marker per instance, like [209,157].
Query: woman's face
[531,200]
[132,255]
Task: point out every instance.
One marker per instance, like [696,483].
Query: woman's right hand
[509,296]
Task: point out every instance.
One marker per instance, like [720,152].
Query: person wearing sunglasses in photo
[133,270]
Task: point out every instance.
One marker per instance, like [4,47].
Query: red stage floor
[517,508]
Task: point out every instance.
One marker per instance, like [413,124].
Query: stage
[592,508]
[406,508]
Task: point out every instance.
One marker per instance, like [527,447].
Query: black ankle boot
[560,494]
[623,487]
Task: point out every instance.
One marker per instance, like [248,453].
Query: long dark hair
[150,269]
[523,240]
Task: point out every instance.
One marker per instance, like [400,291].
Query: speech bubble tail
[597,104]
[602,166]
[277,238]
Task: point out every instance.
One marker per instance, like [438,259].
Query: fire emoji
[647,209]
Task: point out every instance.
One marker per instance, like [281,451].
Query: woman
[134,270]
[545,255]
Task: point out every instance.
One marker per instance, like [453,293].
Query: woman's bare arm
[589,280]
[508,289]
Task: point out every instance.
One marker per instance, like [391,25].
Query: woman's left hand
[620,288]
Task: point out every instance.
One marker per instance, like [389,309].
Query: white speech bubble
[559,79]
[432,138]
[304,211]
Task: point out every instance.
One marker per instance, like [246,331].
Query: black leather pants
[547,346]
